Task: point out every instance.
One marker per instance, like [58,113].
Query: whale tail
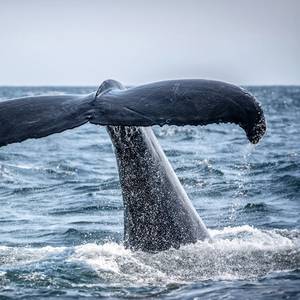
[176,102]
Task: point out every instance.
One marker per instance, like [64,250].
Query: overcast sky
[68,42]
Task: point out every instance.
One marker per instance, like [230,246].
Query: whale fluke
[175,102]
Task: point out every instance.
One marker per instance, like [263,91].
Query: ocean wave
[257,207]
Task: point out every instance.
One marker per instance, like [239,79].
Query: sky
[70,42]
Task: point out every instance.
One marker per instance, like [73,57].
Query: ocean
[61,217]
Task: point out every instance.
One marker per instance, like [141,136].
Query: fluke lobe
[158,214]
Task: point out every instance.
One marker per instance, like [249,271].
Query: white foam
[23,255]
[100,257]
[235,253]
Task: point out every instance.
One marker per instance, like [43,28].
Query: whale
[158,214]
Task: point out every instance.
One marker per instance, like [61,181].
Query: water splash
[236,253]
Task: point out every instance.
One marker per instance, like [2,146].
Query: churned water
[61,212]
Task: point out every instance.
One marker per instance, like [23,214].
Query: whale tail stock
[175,102]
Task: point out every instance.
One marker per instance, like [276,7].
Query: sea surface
[61,216]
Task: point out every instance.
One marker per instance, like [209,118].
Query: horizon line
[131,85]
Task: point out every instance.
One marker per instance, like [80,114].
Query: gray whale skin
[158,214]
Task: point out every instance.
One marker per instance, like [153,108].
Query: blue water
[61,217]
